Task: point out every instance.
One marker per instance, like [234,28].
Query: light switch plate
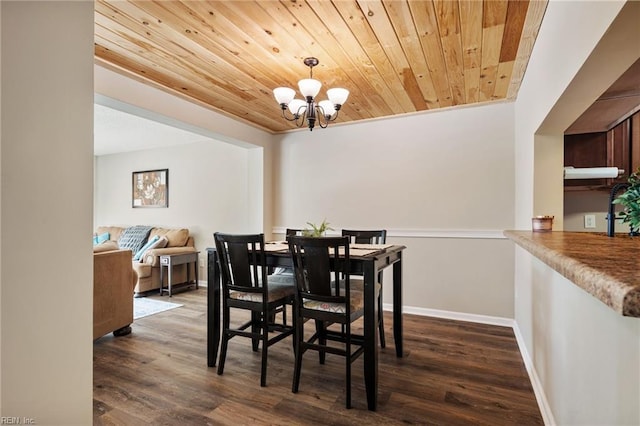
[589,221]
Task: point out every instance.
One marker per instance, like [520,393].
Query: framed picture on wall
[150,188]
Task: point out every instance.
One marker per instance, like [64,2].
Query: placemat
[276,246]
[354,249]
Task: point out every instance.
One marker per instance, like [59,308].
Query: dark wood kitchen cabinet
[634,132]
[619,147]
[619,151]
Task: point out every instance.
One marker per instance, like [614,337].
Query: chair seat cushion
[356,285]
[277,290]
[357,304]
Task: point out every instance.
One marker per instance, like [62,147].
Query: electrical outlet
[589,221]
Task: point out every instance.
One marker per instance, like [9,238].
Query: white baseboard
[458,316]
[538,390]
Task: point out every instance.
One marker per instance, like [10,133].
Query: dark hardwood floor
[453,373]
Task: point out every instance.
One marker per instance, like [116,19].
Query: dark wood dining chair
[283,270]
[293,231]
[324,294]
[378,236]
[246,285]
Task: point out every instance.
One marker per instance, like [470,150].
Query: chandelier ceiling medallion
[307,110]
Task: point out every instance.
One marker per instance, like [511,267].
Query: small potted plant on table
[317,230]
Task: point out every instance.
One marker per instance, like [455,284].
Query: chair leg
[322,340]
[223,353]
[298,336]
[255,329]
[225,340]
[348,360]
[284,314]
[265,345]
[295,320]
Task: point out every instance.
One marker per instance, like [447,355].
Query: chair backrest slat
[318,276]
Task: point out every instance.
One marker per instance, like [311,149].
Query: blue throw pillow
[99,239]
[134,237]
[145,247]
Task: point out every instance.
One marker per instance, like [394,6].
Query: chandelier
[307,110]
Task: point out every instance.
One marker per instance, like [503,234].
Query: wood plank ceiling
[394,56]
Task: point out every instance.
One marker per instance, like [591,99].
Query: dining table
[365,259]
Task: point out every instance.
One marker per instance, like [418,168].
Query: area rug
[144,306]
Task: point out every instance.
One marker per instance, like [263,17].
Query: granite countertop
[607,268]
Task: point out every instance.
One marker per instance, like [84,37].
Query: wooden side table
[171,260]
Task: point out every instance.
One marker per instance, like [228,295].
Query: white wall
[579,203]
[548,190]
[46,258]
[208,190]
[582,48]
[426,178]
[147,101]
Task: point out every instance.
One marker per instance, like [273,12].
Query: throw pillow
[114,231]
[176,237]
[153,243]
[99,239]
[162,242]
[134,237]
[145,247]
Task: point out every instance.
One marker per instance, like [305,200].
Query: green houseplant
[630,200]
[316,230]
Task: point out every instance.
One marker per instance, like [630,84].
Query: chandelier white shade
[284,95]
[327,107]
[309,87]
[297,106]
[338,96]
[308,111]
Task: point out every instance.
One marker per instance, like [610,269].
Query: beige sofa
[148,268]
[113,282]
